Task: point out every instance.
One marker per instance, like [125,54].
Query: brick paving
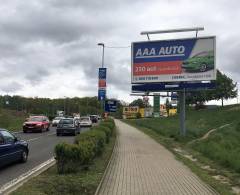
[140,165]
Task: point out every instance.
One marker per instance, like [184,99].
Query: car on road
[85,121]
[56,120]
[36,123]
[94,118]
[68,126]
[12,149]
[201,62]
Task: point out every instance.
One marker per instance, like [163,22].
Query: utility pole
[103,46]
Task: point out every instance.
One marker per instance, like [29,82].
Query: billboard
[101,94]
[191,59]
[110,106]
[102,75]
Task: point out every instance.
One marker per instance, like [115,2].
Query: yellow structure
[142,111]
[172,111]
[130,111]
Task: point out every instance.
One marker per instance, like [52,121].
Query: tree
[225,89]
[138,102]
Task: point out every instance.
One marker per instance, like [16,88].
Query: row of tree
[86,105]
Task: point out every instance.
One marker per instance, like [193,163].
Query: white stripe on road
[17,182]
[36,138]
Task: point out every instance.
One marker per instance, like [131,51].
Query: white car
[85,121]
[56,120]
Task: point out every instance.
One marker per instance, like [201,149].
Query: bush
[97,138]
[71,157]
[110,125]
[106,130]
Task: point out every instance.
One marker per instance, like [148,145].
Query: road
[41,147]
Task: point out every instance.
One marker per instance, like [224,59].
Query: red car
[36,123]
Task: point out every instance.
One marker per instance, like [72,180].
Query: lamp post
[64,105]
[102,44]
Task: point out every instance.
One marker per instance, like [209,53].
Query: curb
[109,162]
[19,181]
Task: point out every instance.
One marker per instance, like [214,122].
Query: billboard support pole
[182,92]
[182,112]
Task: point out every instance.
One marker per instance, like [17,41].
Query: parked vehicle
[36,123]
[68,126]
[94,118]
[85,121]
[56,120]
[12,149]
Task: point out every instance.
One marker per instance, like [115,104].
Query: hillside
[11,120]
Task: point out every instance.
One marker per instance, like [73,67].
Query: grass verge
[84,182]
[11,120]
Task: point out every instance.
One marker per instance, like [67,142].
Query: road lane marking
[19,181]
[36,138]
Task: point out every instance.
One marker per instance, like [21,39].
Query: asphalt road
[41,146]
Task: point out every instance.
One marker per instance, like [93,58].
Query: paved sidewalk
[140,165]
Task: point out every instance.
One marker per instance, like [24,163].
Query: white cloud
[49,48]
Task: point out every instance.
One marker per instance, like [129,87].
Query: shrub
[106,130]
[97,138]
[71,157]
[110,125]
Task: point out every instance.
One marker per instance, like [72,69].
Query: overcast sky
[49,47]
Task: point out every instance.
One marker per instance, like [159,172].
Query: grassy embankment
[220,149]
[80,181]
[11,120]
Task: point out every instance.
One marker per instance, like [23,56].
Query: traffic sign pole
[182,112]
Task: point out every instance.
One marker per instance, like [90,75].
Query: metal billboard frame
[182,91]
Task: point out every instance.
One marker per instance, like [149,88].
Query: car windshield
[84,119]
[35,119]
[66,121]
[57,118]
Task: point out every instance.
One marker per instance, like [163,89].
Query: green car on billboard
[201,62]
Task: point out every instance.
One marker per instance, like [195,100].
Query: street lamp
[102,44]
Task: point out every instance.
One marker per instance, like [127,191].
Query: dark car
[94,118]
[12,149]
[68,126]
[36,123]
[201,62]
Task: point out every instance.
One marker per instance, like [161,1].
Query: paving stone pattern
[140,165]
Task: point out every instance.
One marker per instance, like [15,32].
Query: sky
[49,47]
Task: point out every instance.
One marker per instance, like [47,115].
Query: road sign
[156,87]
[110,106]
[101,94]
[174,96]
[191,59]
[102,74]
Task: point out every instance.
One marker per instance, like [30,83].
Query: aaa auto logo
[162,57]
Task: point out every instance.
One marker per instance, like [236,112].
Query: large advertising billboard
[191,59]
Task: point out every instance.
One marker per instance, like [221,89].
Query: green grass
[221,150]
[84,182]
[11,120]
[197,122]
